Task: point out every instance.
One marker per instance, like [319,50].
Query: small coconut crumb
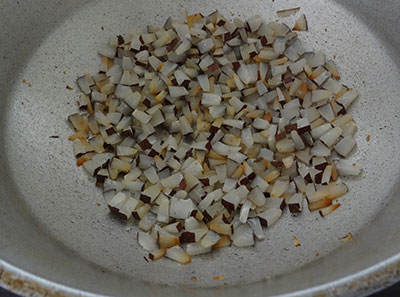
[296,241]
[217,277]
[317,254]
[69,88]
[193,278]
[24,81]
[347,237]
[368,138]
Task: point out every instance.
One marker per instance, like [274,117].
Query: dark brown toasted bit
[318,177]
[308,178]
[264,40]
[120,39]
[100,179]
[252,176]
[153,153]
[147,102]
[221,23]
[110,131]
[182,184]
[280,136]
[179,226]
[277,163]
[291,127]
[213,130]
[294,208]
[321,166]
[145,144]
[303,130]
[213,67]
[145,199]
[187,237]
[204,181]
[244,181]
[171,46]
[236,66]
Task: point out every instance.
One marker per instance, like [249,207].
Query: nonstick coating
[55,225]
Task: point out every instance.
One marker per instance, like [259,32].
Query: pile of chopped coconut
[204,130]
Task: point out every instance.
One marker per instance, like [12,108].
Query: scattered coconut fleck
[368,138]
[28,83]
[216,277]
[205,129]
[329,209]
[296,241]
[347,237]
[317,254]
[193,278]
[287,12]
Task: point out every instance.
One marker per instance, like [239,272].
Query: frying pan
[56,235]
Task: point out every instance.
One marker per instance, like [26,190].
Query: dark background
[393,291]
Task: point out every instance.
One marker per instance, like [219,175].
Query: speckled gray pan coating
[54,222]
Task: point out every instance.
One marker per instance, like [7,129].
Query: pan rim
[362,283]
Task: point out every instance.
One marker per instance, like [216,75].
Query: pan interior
[68,212]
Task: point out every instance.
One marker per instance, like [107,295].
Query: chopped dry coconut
[216,277]
[296,241]
[347,237]
[205,129]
